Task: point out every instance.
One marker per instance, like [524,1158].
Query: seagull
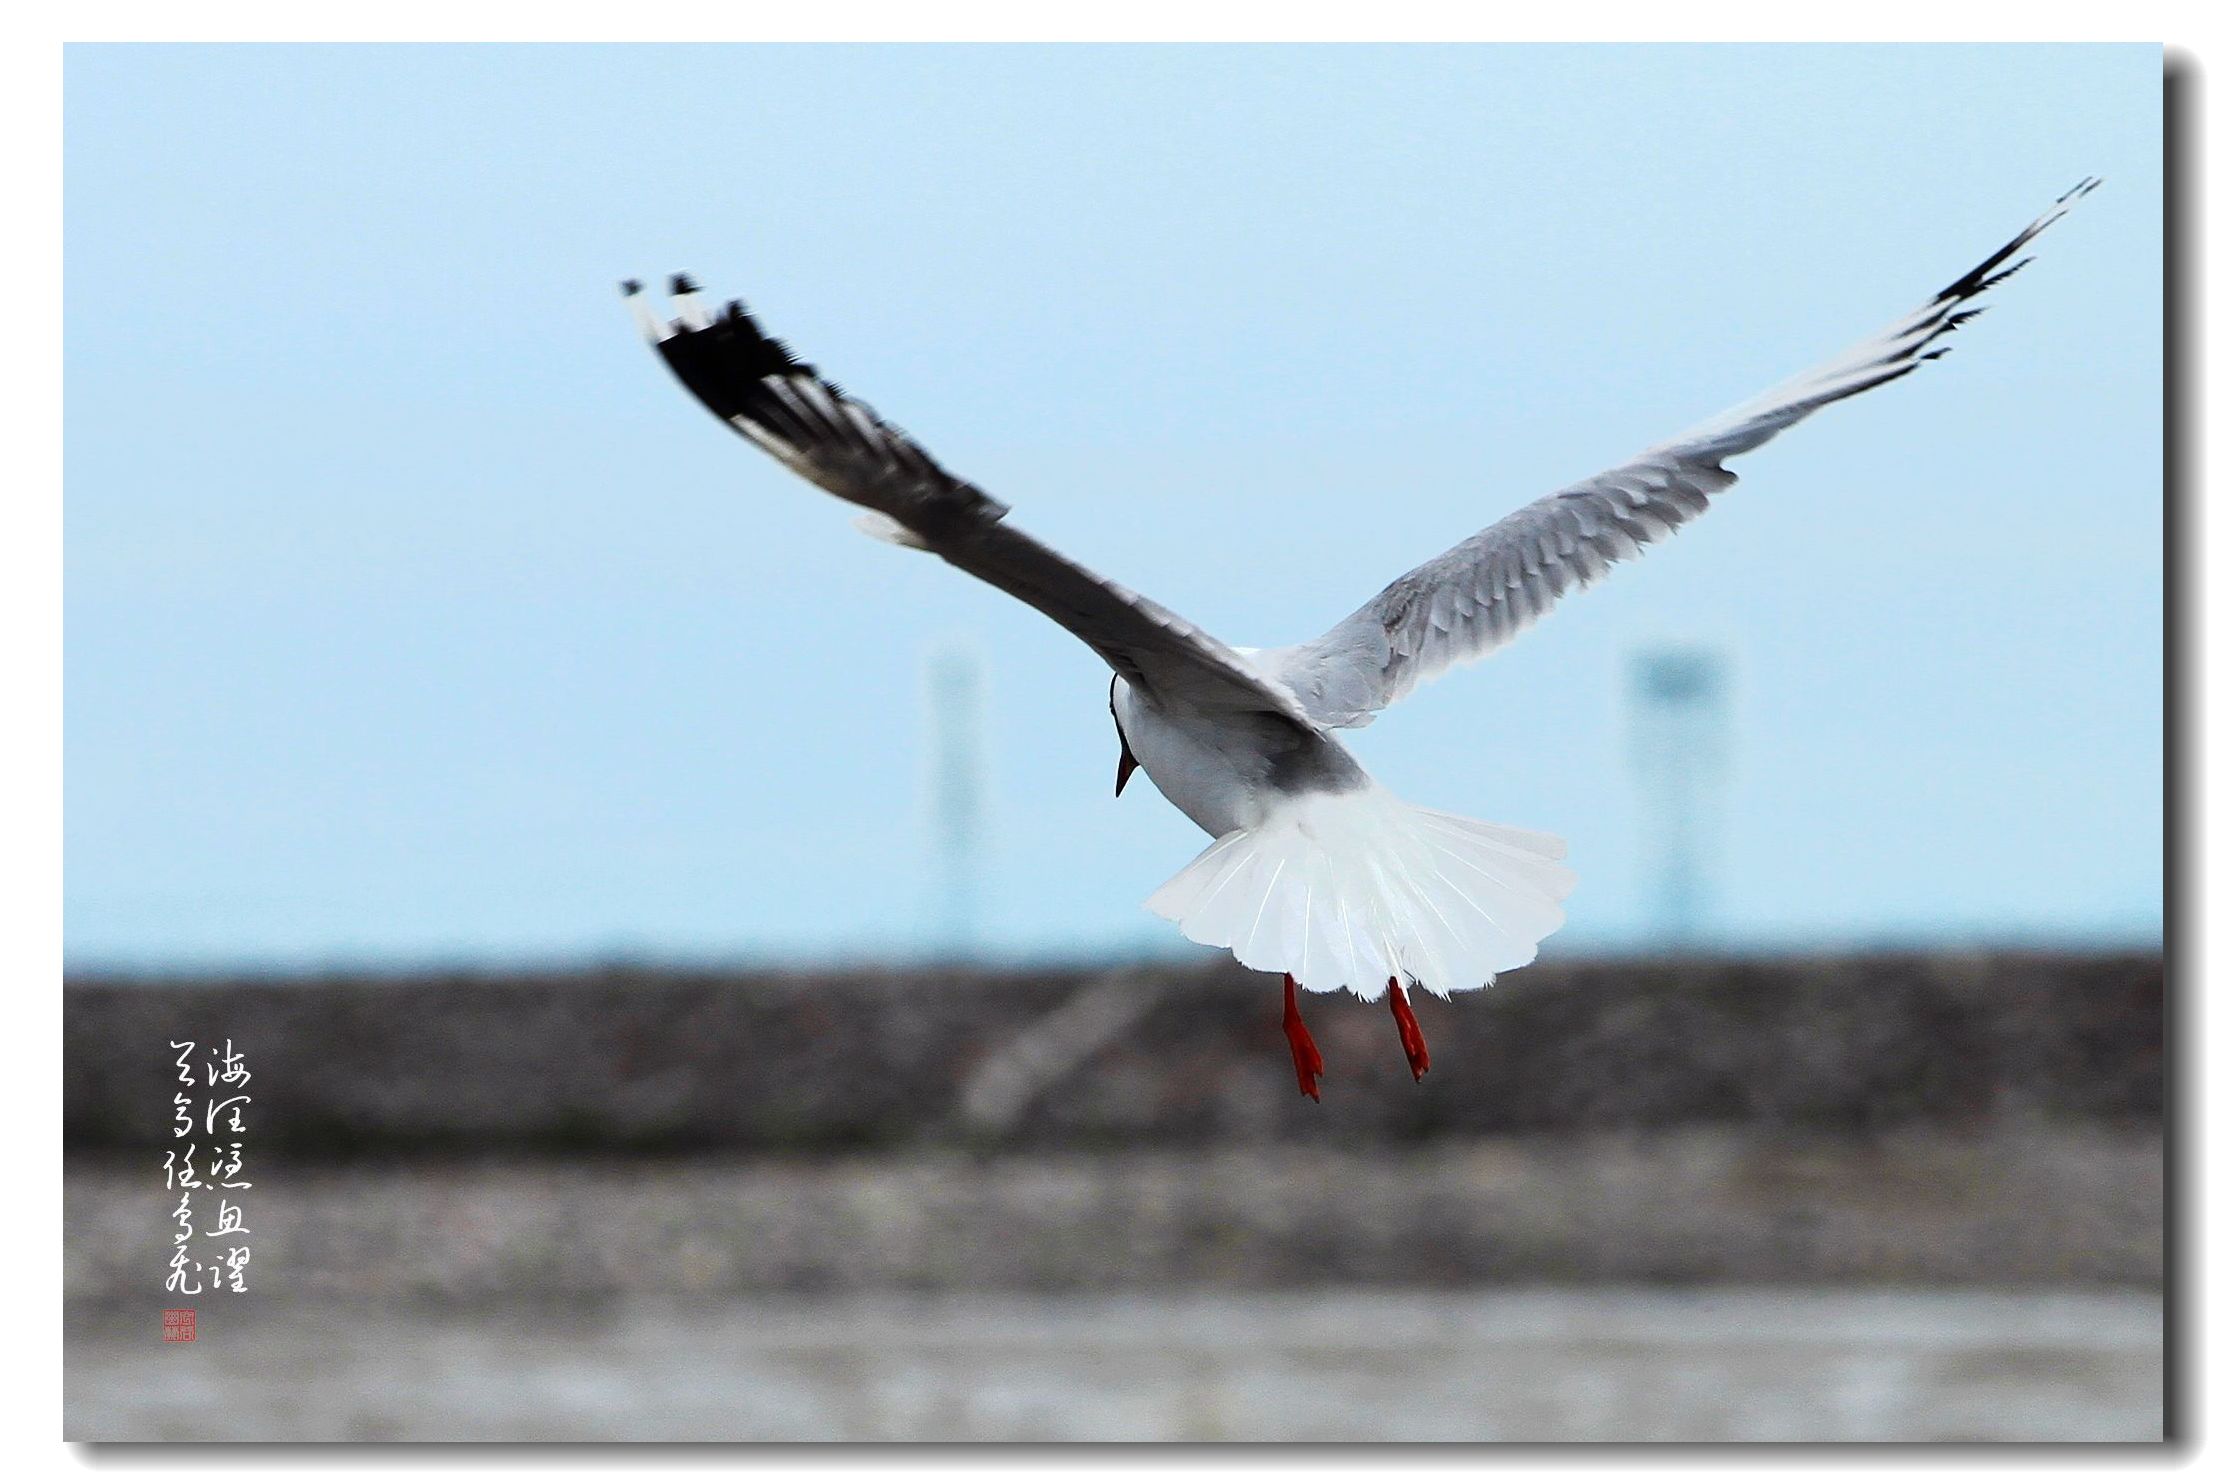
[1315,871]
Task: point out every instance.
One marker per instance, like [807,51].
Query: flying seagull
[1315,872]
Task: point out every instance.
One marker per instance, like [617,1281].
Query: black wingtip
[628,288]
[2004,276]
[726,357]
[1991,272]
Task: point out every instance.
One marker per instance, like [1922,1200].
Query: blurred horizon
[1577,952]
[416,620]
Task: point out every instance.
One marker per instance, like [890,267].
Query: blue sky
[414,615]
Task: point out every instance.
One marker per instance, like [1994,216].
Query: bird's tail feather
[1352,889]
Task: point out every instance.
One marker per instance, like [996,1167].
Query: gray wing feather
[1463,605]
[751,382]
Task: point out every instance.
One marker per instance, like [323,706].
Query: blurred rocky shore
[633,1061]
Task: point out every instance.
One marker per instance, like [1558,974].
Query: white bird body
[1206,767]
[1318,871]
[1315,870]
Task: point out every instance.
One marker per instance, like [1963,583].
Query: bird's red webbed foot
[1410,1031]
[1306,1058]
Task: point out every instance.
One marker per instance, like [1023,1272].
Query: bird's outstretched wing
[1468,602]
[751,382]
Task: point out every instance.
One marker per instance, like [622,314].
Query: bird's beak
[1128,766]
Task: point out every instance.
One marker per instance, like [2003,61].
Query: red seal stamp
[177,1325]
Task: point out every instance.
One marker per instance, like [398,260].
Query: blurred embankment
[638,1061]
[1986,1118]
[1878,1197]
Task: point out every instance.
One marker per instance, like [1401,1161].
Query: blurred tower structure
[956,789]
[1680,737]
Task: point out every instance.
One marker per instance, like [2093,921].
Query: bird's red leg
[1410,1032]
[1306,1058]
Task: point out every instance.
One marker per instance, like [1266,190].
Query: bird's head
[1117,701]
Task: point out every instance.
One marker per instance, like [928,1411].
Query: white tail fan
[1351,889]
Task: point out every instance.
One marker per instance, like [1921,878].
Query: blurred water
[1511,1365]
